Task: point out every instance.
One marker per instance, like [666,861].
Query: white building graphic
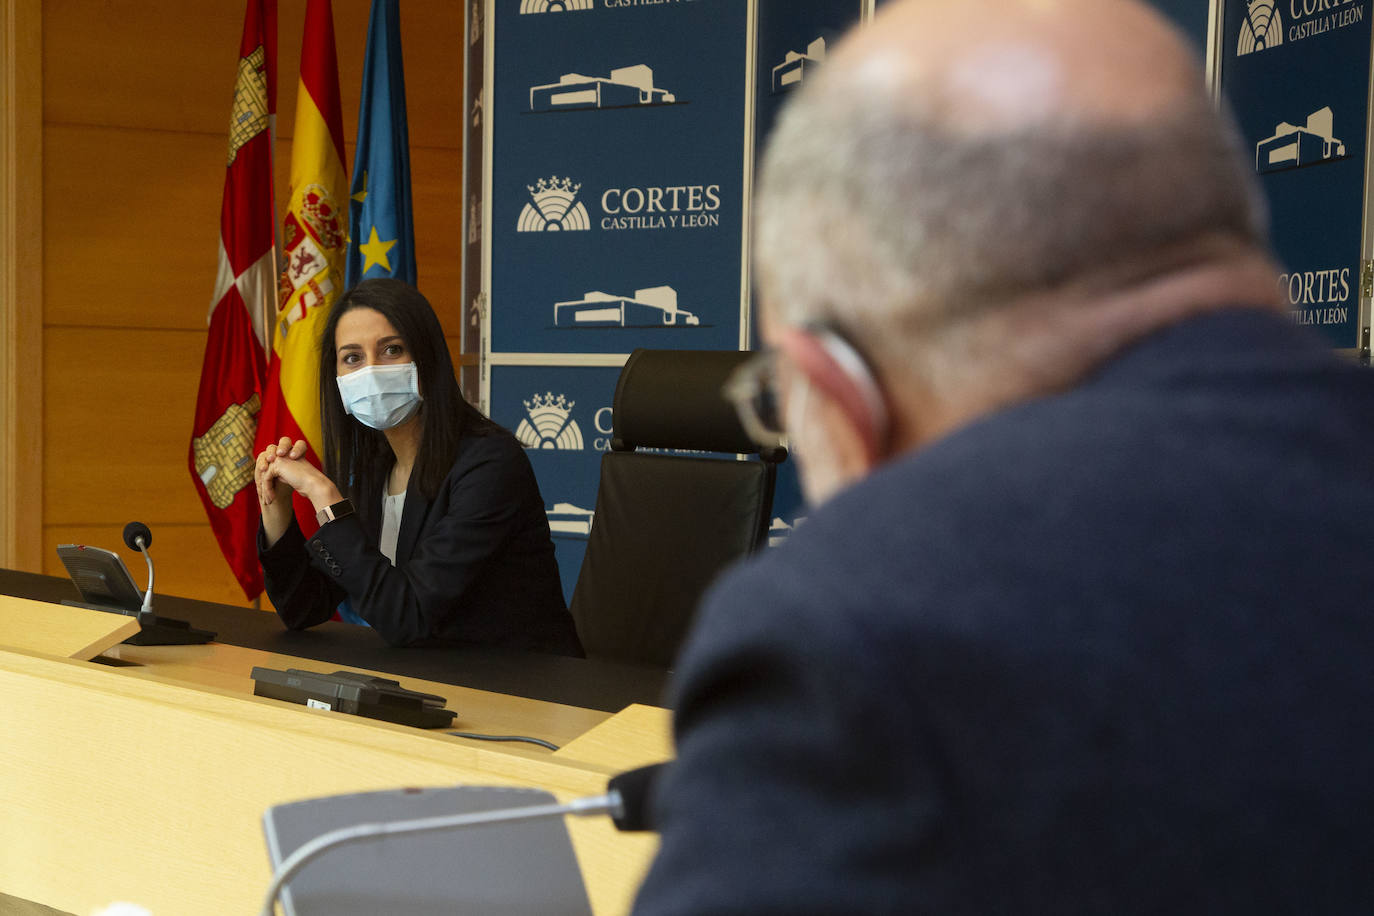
[1261,28]
[779,531]
[569,520]
[553,6]
[1292,147]
[554,207]
[549,424]
[654,307]
[795,66]
[624,88]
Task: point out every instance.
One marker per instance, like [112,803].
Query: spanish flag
[314,243]
[235,364]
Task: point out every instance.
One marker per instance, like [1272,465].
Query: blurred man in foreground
[1080,620]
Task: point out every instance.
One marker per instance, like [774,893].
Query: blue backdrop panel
[617,177]
[563,417]
[1190,16]
[1298,84]
[793,38]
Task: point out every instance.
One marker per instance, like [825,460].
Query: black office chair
[666,525]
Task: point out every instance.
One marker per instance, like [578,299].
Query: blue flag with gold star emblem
[380,230]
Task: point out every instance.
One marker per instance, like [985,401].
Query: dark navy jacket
[1105,652]
[476,565]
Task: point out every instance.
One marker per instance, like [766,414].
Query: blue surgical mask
[381,397]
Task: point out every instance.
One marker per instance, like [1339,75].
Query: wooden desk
[594,684]
[228,668]
[58,630]
[145,778]
[636,736]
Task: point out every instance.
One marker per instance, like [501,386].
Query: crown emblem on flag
[322,217]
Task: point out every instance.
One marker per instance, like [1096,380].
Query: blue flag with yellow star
[380,230]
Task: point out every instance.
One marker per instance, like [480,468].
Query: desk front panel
[135,788]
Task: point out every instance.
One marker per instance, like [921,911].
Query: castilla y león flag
[314,240]
[234,371]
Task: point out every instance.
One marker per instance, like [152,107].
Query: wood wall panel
[117,423]
[132,226]
[436,190]
[21,283]
[135,110]
[161,65]
[159,232]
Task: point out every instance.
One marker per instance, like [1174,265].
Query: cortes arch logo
[553,6]
[549,424]
[554,207]
[1261,28]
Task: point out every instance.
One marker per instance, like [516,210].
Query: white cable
[598,804]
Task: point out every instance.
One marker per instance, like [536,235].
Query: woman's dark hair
[358,458]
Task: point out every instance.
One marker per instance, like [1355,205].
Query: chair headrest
[673,399]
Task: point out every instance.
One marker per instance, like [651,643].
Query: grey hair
[870,216]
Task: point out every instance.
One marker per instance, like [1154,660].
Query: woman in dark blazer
[432,527]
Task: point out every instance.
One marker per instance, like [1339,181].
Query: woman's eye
[394,350]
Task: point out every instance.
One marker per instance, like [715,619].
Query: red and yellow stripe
[314,244]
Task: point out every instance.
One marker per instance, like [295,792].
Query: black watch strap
[341,509]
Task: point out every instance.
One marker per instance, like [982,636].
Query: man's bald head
[956,159]
[980,66]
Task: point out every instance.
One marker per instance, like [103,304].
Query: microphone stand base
[166,631]
[156,631]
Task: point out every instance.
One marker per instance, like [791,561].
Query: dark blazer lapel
[373,525]
[412,522]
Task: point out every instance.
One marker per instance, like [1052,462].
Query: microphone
[634,791]
[627,801]
[138,537]
[157,631]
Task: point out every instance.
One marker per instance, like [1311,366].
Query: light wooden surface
[229,669]
[636,736]
[132,783]
[55,629]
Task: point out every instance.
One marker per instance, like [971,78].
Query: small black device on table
[354,692]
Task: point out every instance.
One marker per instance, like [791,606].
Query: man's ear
[837,375]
